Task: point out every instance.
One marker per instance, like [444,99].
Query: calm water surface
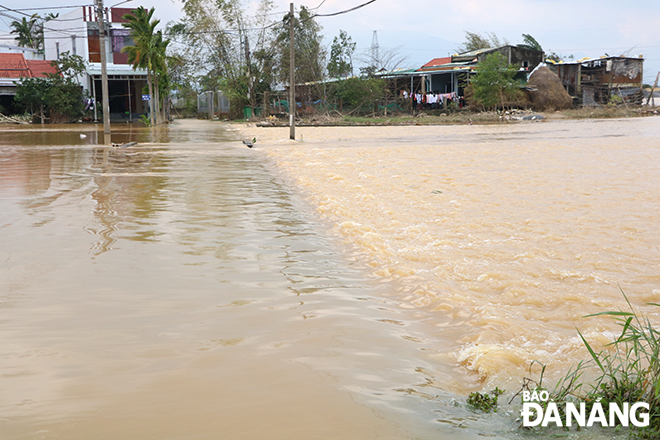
[187,288]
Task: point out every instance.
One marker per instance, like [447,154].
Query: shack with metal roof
[599,81]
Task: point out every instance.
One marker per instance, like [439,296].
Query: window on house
[120,39]
[73,45]
[57,49]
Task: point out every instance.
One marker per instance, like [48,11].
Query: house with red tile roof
[41,68]
[14,67]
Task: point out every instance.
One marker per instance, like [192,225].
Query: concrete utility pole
[292,81]
[100,14]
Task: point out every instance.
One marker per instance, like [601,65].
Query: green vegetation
[357,92]
[341,56]
[58,94]
[475,41]
[30,31]
[148,52]
[494,83]
[485,402]
[628,370]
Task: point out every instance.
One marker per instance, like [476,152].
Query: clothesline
[430,98]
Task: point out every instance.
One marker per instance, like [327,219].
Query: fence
[212,103]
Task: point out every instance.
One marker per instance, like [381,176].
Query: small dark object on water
[128,144]
[248,143]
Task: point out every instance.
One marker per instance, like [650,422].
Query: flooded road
[357,283]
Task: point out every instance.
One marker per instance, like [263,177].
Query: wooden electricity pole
[100,14]
[292,80]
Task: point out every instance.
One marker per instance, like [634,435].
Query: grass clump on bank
[628,371]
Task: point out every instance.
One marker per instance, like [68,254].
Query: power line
[345,11]
[47,8]
[314,9]
[27,15]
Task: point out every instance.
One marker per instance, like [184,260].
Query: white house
[77,32]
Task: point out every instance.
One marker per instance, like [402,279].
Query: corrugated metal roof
[437,62]
[589,60]
[464,66]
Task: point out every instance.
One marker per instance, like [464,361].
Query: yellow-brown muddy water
[355,284]
[500,238]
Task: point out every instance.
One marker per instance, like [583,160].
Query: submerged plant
[628,370]
[485,401]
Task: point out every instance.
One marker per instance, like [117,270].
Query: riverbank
[437,117]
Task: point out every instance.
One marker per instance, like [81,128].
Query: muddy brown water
[356,283]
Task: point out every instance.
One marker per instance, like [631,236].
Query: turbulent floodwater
[503,237]
[356,283]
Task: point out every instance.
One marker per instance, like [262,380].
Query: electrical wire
[355,8]
[49,8]
[316,8]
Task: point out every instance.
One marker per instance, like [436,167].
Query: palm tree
[147,52]
[25,31]
[530,42]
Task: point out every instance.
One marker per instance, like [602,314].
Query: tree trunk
[502,99]
[151,97]
[157,100]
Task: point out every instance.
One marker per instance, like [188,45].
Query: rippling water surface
[357,283]
[503,236]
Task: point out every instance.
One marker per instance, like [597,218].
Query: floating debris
[128,144]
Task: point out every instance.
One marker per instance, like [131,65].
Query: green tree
[494,82]
[530,42]
[475,41]
[148,52]
[26,32]
[30,31]
[310,54]
[356,92]
[341,56]
[31,95]
[226,49]
[57,93]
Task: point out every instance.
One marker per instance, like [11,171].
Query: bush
[356,92]
[494,83]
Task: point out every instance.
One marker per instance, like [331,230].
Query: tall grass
[628,370]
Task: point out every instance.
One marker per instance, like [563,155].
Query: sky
[420,30]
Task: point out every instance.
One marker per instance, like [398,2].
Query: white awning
[94,69]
